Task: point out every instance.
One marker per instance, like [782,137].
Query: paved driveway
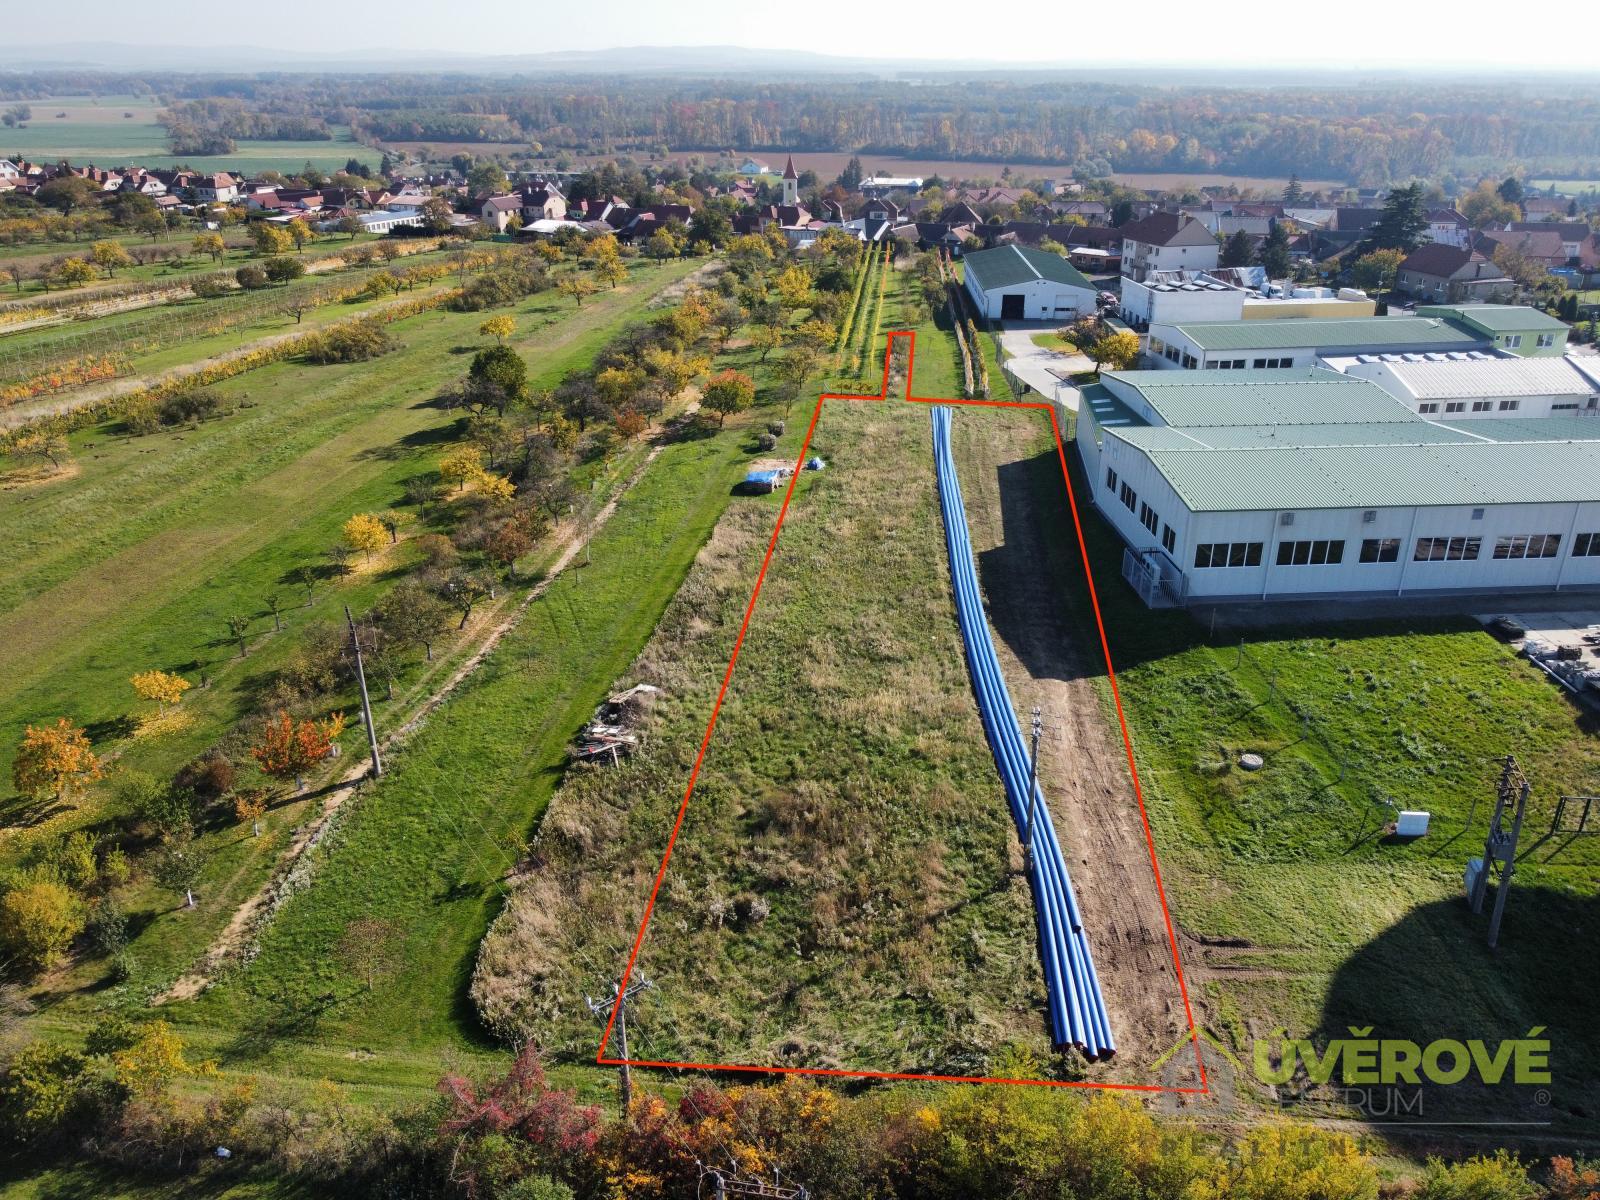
[1045,371]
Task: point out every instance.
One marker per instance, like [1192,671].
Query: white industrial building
[1276,484]
[1479,384]
[1018,283]
[1231,294]
[1256,345]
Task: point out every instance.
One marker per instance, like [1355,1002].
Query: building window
[1380,550]
[1169,540]
[1111,479]
[1455,406]
[1510,405]
[1129,496]
[1148,518]
[1157,346]
[1530,545]
[1483,406]
[1513,340]
[1310,554]
[1228,554]
[1427,408]
[1447,549]
[1586,545]
[1189,361]
[1546,340]
[1272,364]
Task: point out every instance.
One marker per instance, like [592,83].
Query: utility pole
[601,1009]
[1500,847]
[366,704]
[1033,788]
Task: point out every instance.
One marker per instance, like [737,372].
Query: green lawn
[1298,911]
[133,561]
[1054,341]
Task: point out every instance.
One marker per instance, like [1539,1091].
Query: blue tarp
[771,477]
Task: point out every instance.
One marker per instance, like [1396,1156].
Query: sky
[1165,31]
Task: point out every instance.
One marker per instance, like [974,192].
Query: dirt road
[1024,566]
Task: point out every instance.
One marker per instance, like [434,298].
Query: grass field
[844,890]
[98,132]
[132,561]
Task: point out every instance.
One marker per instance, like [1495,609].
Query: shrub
[357,341]
[251,277]
[38,922]
[767,442]
[1484,1177]
[194,405]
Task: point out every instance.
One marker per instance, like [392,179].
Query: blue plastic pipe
[1077,1008]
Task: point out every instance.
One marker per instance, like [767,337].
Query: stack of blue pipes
[1077,1009]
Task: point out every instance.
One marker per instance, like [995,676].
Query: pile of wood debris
[612,731]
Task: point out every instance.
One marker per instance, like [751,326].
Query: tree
[74,272]
[44,444]
[663,244]
[1237,251]
[765,338]
[152,224]
[1375,271]
[251,278]
[238,630]
[1404,220]
[577,287]
[282,270]
[1527,273]
[67,192]
[288,749]
[610,271]
[38,922]
[270,239]
[413,616]
[53,760]
[850,178]
[211,244]
[161,687]
[499,327]
[364,532]
[299,233]
[507,544]
[794,287]
[391,519]
[487,178]
[350,225]
[110,255]
[460,465]
[1294,194]
[250,806]
[1118,350]
[1274,252]
[179,865]
[1510,190]
[436,214]
[274,603]
[1484,206]
[728,392]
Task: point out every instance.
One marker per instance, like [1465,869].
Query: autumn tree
[1117,350]
[507,544]
[299,233]
[577,287]
[53,760]
[610,271]
[728,392]
[270,240]
[73,272]
[109,255]
[391,519]
[45,445]
[209,244]
[250,806]
[765,338]
[1376,270]
[664,243]
[461,465]
[161,687]
[287,749]
[38,921]
[364,532]
[499,327]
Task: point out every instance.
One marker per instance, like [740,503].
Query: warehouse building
[1268,345]
[1513,328]
[1277,484]
[1479,384]
[1019,283]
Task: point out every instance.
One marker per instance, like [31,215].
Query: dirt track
[1049,661]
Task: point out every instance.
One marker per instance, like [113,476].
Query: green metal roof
[1295,396]
[1268,437]
[1350,334]
[1009,265]
[1570,428]
[1497,318]
[1307,477]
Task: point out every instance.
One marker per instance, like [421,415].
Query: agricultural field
[120,130]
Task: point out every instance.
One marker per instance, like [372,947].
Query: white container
[1411,824]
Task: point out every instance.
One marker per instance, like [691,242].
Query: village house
[1167,241]
[1439,271]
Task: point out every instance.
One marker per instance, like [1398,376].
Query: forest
[1369,132]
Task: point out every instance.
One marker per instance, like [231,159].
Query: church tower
[791,183]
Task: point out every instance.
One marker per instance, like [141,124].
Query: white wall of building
[1467,406]
[1352,526]
[1043,299]
[1150,303]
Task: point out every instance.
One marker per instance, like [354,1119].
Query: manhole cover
[1251,761]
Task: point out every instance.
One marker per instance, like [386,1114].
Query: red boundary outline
[716,709]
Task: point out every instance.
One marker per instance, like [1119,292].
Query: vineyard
[858,335]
